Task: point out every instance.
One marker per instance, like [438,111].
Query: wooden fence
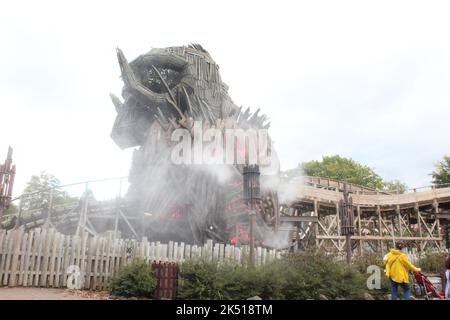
[47,258]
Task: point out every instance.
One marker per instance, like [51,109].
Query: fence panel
[41,258]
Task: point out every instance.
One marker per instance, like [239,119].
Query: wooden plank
[59,261]
[9,252]
[221,252]
[3,246]
[165,252]
[215,252]
[34,256]
[15,263]
[82,264]
[118,255]
[53,256]
[38,265]
[45,260]
[170,251]
[96,265]
[4,268]
[90,248]
[157,251]
[175,252]
[181,251]
[113,257]
[66,262]
[108,262]
[123,259]
[28,256]
[237,254]
[152,256]
[258,256]
[194,252]
[101,271]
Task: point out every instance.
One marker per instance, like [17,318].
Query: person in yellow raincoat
[397,267]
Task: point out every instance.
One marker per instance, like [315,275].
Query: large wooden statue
[168,92]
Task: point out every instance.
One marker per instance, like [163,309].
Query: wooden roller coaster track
[420,217]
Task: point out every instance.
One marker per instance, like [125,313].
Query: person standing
[397,267]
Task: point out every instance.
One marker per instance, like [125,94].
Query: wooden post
[252,237]
[338,225]
[400,227]
[316,226]
[358,211]
[438,224]
[380,226]
[419,225]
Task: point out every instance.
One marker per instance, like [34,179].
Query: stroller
[424,288]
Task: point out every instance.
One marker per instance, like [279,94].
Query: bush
[200,280]
[433,262]
[313,274]
[134,280]
[361,263]
[299,276]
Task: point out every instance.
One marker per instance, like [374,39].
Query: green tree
[395,186]
[12,209]
[441,175]
[338,168]
[38,191]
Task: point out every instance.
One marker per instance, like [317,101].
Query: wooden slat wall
[41,257]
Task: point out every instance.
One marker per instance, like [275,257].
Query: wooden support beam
[299,219]
[358,211]
[128,223]
[316,226]
[416,209]
[400,228]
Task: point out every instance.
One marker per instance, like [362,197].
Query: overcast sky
[368,80]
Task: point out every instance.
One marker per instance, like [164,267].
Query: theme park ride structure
[170,88]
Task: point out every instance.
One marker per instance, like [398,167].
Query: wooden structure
[167,89]
[420,218]
[47,258]
[380,219]
[7,174]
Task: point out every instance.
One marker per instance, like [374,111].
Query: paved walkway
[21,293]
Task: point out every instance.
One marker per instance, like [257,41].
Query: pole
[346,218]
[252,237]
[348,241]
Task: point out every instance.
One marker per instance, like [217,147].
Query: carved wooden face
[167,85]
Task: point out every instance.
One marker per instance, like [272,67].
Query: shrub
[134,280]
[361,263]
[299,276]
[433,262]
[313,274]
[200,280]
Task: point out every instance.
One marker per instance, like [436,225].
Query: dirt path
[20,293]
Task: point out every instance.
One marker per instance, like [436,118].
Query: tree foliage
[338,168]
[395,186]
[441,175]
[39,188]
